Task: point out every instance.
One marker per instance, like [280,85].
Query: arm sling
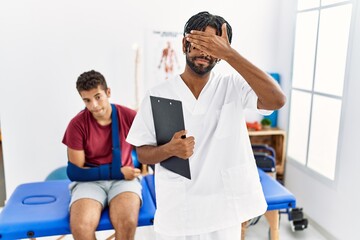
[109,171]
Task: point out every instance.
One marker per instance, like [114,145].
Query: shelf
[276,138]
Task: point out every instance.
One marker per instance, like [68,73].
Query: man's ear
[108,92]
[184,45]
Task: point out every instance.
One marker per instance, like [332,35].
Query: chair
[265,157]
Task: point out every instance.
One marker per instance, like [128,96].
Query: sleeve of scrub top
[142,131]
[249,98]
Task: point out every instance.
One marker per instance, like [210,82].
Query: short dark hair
[203,19]
[90,80]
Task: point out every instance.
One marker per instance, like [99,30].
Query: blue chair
[265,157]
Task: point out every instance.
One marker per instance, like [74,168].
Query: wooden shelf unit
[275,138]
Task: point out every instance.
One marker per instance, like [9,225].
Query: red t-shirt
[84,133]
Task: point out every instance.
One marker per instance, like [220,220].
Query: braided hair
[204,19]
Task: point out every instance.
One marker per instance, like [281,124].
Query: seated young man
[101,173]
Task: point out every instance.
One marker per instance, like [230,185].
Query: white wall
[332,205]
[45,45]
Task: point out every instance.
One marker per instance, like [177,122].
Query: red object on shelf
[253,125]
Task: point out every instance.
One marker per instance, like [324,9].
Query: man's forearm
[153,154]
[270,95]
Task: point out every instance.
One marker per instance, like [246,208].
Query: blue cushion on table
[41,209]
[276,195]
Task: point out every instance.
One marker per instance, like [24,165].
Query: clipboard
[168,119]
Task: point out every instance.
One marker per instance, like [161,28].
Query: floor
[255,232]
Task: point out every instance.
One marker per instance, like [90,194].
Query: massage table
[277,198]
[41,208]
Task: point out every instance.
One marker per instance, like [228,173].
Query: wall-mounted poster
[164,56]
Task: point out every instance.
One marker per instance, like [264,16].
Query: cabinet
[275,138]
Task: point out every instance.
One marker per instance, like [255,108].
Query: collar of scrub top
[116,151]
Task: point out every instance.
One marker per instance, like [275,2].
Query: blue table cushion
[276,195]
[41,209]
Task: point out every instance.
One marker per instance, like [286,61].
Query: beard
[200,69]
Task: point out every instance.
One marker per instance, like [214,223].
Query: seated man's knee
[85,215]
[124,211]
[131,222]
[83,224]
[125,229]
[127,224]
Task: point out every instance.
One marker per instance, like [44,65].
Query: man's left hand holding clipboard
[170,129]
